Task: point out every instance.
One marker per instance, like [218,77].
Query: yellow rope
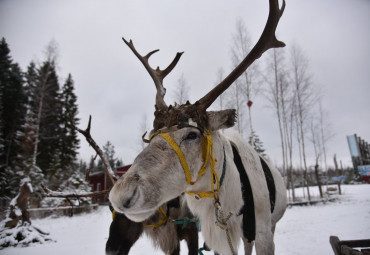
[161,222]
[207,146]
[221,222]
[155,225]
[207,154]
[179,153]
[206,143]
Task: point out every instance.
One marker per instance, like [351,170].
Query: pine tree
[66,161]
[31,89]
[69,142]
[110,155]
[3,175]
[13,100]
[257,143]
[82,167]
[92,166]
[46,103]
[12,112]
[76,182]
[25,165]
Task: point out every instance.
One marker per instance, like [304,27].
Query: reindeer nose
[129,202]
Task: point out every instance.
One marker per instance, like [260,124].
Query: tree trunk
[19,203]
[292,182]
[318,178]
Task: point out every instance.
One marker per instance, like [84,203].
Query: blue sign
[364,170]
[339,178]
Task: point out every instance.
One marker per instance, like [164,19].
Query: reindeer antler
[267,41]
[156,74]
[180,114]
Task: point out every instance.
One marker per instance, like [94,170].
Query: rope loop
[161,222]
[221,222]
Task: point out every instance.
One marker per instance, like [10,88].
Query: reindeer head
[157,174]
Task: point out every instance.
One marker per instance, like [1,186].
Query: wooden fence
[61,210]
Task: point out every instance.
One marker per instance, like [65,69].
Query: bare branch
[96,147]
[108,168]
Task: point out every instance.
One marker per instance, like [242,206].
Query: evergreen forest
[38,143]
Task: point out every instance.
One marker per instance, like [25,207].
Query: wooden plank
[365,251]
[334,241]
[346,250]
[346,247]
[356,243]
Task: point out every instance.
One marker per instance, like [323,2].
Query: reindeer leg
[265,243]
[190,234]
[191,238]
[248,246]
[176,250]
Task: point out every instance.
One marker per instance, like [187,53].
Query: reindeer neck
[230,198]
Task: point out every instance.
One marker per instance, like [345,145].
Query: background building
[99,181]
[360,153]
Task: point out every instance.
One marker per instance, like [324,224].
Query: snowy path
[303,230]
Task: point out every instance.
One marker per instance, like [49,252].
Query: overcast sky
[113,86]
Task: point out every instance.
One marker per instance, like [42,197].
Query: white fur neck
[230,200]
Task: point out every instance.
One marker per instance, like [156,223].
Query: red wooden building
[100,181]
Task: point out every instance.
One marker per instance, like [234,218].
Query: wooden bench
[347,247]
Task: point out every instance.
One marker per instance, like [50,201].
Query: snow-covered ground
[302,230]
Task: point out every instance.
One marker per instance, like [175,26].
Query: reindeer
[123,233]
[232,190]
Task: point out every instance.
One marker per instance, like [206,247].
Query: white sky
[113,86]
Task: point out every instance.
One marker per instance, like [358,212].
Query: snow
[302,230]
[22,236]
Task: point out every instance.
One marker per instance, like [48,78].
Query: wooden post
[339,189]
[335,244]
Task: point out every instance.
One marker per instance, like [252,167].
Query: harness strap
[156,225]
[185,221]
[161,222]
[179,153]
[207,153]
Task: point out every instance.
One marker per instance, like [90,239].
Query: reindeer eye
[191,136]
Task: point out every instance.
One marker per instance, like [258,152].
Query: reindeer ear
[221,119]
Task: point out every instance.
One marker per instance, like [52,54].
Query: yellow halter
[207,154]
[161,222]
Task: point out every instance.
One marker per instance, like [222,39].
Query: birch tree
[280,94]
[246,87]
[326,132]
[305,96]
[316,142]
[143,128]
[276,93]
[181,93]
[220,101]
